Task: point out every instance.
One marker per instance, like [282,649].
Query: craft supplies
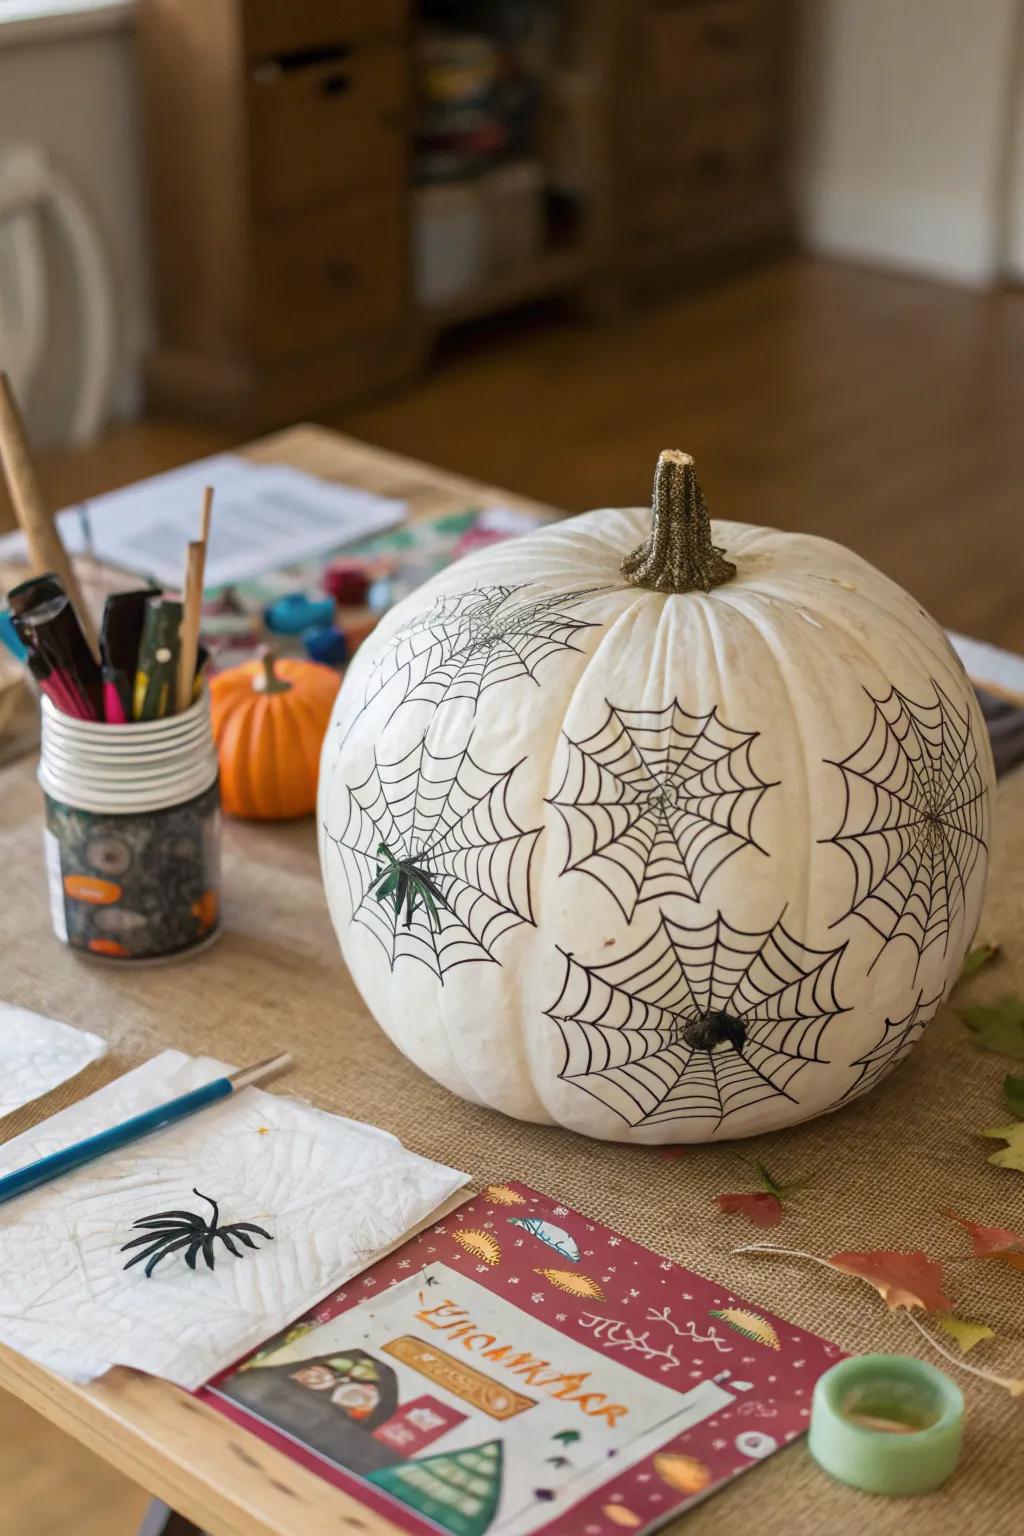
[269,721]
[887,1424]
[348,581]
[291,614]
[77,1154]
[46,551]
[156,670]
[120,637]
[332,1193]
[132,832]
[60,658]
[328,646]
[521,1367]
[268,515]
[37,1053]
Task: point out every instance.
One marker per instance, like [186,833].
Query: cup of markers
[132,834]
[128,768]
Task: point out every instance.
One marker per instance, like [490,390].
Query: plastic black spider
[168,1231]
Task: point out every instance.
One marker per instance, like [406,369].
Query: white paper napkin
[332,1193]
[37,1053]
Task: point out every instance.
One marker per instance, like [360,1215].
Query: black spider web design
[913,818]
[448,819]
[897,1039]
[697,1023]
[655,801]
[471,641]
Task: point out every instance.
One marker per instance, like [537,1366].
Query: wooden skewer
[204,528]
[193,600]
[46,552]
[189,648]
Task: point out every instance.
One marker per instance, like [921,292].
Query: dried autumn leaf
[760,1208]
[966,1334]
[992,1242]
[1013,1091]
[901,1279]
[1012,1155]
[998,1027]
[976,959]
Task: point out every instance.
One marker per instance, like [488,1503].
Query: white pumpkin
[667,848]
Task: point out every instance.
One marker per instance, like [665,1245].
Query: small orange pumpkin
[269,720]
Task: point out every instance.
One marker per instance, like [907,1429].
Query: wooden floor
[880,411]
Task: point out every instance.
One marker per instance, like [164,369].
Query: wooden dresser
[279,177]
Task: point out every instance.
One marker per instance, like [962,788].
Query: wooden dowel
[46,552]
[193,596]
[204,527]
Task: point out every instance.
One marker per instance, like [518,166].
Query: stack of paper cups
[132,832]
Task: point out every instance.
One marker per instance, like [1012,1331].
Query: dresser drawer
[275,27]
[705,169]
[324,275]
[328,127]
[699,49]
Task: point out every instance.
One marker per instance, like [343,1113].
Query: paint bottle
[132,833]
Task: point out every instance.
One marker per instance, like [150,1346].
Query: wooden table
[192,1458]
[878,1169]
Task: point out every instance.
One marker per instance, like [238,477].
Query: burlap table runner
[879,1170]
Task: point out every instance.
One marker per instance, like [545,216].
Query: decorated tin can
[132,833]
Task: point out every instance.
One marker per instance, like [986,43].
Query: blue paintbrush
[150,1120]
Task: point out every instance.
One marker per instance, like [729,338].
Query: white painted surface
[74,94]
[903,132]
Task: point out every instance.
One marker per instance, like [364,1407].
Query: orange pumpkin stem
[268,681]
[678,555]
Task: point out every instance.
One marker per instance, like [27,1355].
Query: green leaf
[977,959]
[966,1334]
[773,1187]
[1013,1088]
[998,1027]
[1012,1155]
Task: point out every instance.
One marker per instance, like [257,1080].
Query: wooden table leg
[161,1520]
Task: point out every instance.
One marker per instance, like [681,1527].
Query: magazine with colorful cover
[517,1368]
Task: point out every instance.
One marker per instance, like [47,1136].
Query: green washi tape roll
[887,1424]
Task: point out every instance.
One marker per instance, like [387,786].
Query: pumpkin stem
[269,682]
[678,555]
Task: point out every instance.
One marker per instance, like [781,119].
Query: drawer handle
[340,273]
[335,85]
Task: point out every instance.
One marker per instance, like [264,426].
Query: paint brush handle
[69,1158]
[81,1152]
[46,551]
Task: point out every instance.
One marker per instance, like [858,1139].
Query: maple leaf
[901,1279]
[998,1027]
[760,1208]
[1012,1155]
[1013,1091]
[966,1334]
[992,1242]
[976,959]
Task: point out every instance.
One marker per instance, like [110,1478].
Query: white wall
[903,131]
[1014,232]
[74,92]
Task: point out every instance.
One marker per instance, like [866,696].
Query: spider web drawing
[445,821]
[697,1023]
[469,642]
[913,818]
[897,1039]
[656,800]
